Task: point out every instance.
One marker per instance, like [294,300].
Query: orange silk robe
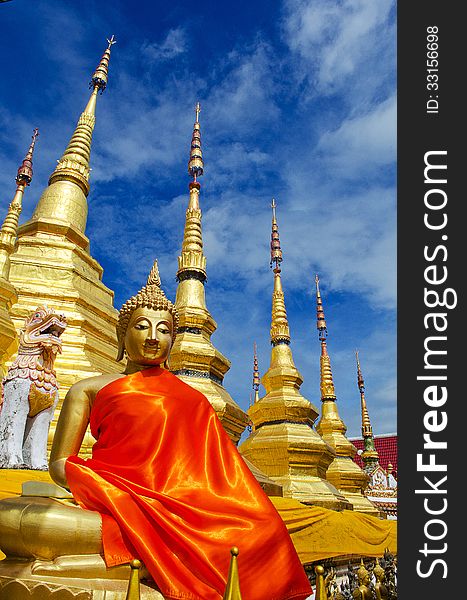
[173,491]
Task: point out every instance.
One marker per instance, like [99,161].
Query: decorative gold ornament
[133,592]
[320,592]
[232,590]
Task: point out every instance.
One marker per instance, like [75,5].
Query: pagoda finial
[9,229]
[195,164]
[366,424]
[192,262]
[279,324]
[273,206]
[327,382]
[360,381]
[369,455]
[321,321]
[276,251]
[74,163]
[99,78]
[24,175]
[256,379]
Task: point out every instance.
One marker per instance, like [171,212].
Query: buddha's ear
[166,364]
[120,350]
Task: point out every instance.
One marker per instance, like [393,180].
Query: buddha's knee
[45,528]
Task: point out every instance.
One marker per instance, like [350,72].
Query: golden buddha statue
[363,591]
[165,484]
[381,590]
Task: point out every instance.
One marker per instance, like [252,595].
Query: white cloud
[243,99]
[174,44]
[341,41]
[362,143]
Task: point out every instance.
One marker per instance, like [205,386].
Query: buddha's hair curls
[150,296]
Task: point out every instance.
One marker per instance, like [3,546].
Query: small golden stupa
[283,443]
[52,264]
[382,485]
[369,455]
[193,357]
[8,239]
[343,472]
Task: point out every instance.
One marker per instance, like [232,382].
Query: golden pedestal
[17,582]
[20,579]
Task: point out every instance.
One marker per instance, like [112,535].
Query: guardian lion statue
[30,392]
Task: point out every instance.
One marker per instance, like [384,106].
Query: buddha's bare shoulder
[92,385]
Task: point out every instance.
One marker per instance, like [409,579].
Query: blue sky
[298,102]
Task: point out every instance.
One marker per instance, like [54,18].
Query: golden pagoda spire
[276,251]
[9,229]
[330,422]
[343,472]
[256,380]
[192,260]
[195,164]
[64,200]
[327,383]
[193,356]
[366,425]
[369,455]
[282,442]
[280,333]
[8,237]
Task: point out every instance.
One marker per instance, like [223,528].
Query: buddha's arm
[71,427]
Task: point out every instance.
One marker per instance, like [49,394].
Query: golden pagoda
[52,264]
[382,485]
[8,237]
[369,455]
[193,357]
[343,472]
[282,442]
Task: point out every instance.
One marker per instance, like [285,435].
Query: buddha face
[149,336]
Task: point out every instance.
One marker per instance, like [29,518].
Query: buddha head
[147,325]
[363,575]
[379,572]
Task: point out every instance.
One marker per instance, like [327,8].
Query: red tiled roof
[386,446]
